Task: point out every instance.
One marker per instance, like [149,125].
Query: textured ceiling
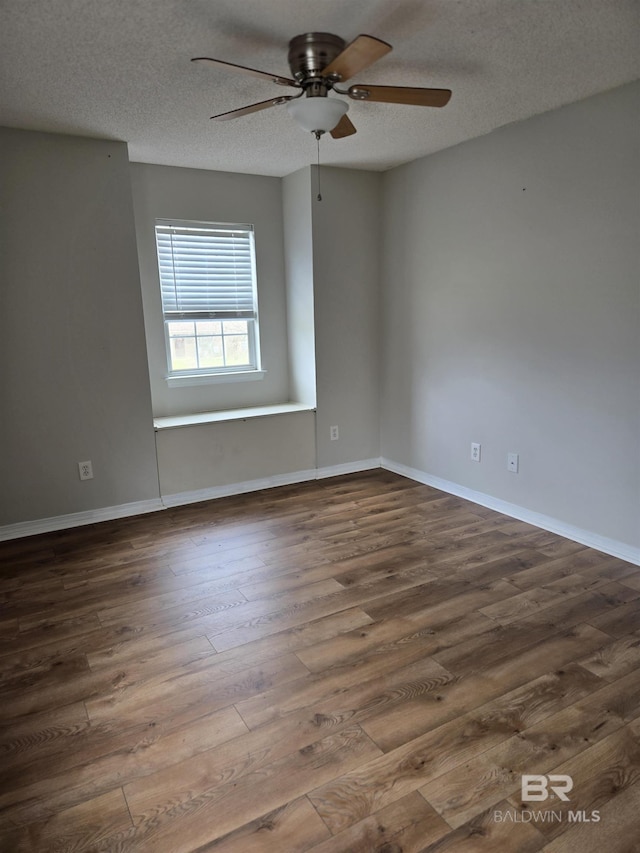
[120,69]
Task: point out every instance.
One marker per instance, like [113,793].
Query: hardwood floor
[356,664]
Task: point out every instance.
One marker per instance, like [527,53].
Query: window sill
[213,378]
[228,415]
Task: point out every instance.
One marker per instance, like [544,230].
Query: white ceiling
[120,69]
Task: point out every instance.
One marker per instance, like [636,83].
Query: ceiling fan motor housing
[310,53]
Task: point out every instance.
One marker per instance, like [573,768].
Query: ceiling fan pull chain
[319,196]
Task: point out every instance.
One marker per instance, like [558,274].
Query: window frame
[204,375]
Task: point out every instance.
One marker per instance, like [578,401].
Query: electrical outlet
[512,462]
[475,451]
[333,431]
[85,469]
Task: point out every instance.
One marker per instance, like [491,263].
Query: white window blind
[206,272]
[208,290]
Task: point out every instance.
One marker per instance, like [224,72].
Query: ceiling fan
[318,62]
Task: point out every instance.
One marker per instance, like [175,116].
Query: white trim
[347,468]
[77,519]
[577,534]
[268,482]
[181,498]
[612,547]
[176,421]
[177,381]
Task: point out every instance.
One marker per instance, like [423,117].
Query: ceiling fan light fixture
[318,115]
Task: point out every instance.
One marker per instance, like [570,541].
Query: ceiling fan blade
[255,108]
[230,66]
[362,52]
[401,95]
[343,128]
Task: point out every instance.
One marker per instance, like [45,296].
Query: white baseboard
[209,494]
[242,488]
[585,537]
[348,468]
[77,519]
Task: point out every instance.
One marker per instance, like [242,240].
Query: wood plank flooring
[360,664]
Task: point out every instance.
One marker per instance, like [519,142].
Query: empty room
[320,426]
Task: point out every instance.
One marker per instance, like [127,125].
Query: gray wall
[329,330]
[346,273]
[75,384]
[218,455]
[171,193]
[508,313]
[298,250]
[511,314]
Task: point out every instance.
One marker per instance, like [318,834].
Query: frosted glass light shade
[321,114]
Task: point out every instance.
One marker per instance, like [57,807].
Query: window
[208,289]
